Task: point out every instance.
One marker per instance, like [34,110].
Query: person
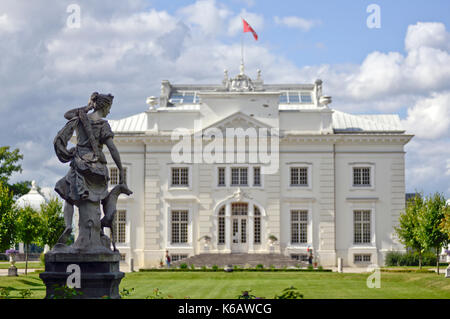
[88,175]
[310,257]
[167,259]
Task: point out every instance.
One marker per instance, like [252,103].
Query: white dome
[33,199]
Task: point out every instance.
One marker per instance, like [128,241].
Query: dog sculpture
[109,209]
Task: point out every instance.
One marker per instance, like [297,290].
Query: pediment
[238,120]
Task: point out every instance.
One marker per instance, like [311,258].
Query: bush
[395,258]
[42,258]
[215,267]
[259,266]
[183,266]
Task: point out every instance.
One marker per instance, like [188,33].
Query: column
[228,227]
[250,229]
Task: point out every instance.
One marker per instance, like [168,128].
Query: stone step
[240,259]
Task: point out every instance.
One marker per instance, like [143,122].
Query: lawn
[21,265]
[212,285]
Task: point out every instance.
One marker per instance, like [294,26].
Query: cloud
[297,22]
[429,118]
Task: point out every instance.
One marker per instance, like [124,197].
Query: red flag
[248,28]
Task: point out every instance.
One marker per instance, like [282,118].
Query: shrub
[246,295]
[259,266]
[126,292]
[289,293]
[394,258]
[25,293]
[5,291]
[183,266]
[192,266]
[215,267]
[42,258]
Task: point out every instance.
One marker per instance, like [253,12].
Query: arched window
[221,227]
[257,225]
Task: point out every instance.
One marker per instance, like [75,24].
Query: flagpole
[242,49]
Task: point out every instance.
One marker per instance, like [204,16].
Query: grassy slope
[229,285]
[21,265]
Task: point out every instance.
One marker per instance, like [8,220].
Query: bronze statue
[86,183]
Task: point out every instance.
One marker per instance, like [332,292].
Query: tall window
[120,226]
[180,176]
[257,225]
[361,176]
[239,176]
[179,226]
[361,226]
[256,176]
[114,175]
[299,226]
[299,176]
[221,176]
[221,227]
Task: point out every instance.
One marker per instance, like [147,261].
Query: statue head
[101,103]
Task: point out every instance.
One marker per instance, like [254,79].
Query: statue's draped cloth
[88,176]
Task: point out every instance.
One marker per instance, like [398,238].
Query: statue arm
[74,112]
[116,158]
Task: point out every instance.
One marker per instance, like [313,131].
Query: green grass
[21,265]
[213,285]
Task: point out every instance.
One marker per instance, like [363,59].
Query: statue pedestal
[99,274]
[12,271]
[447,272]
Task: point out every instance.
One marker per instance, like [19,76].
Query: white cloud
[297,22]
[209,16]
[429,118]
[429,34]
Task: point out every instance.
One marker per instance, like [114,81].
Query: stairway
[240,259]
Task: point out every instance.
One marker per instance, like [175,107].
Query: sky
[397,64]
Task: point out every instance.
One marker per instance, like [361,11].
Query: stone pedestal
[99,273]
[447,272]
[12,271]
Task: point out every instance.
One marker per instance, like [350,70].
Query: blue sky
[127,48]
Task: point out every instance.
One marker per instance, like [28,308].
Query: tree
[408,229]
[29,228]
[7,218]
[445,224]
[52,222]
[430,233]
[9,165]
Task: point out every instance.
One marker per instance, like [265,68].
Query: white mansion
[333,182]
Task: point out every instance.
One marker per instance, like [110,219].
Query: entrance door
[239,228]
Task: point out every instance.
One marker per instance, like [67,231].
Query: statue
[86,183]
[86,186]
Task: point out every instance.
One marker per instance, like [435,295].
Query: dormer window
[295,97]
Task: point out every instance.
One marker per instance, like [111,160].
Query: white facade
[321,154]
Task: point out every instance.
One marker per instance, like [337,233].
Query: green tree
[408,228]
[29,228]
[52,222]
[7,218]
[430,233]
[9,164]
[445,224]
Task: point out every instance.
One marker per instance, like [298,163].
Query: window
[120,226]
[221,176]
[114,175]
[180,176]
[299,176]
[299,226]
[257,225]
[239,176]
[361,258]
[361,222]
[179,226]
[123,257]
[221,227]
[295,97]
[176,257]
[184,97]
[256,176]
[299,257]
[361,176]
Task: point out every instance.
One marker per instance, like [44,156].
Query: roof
[134,123]
[379,123]
[33,199]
